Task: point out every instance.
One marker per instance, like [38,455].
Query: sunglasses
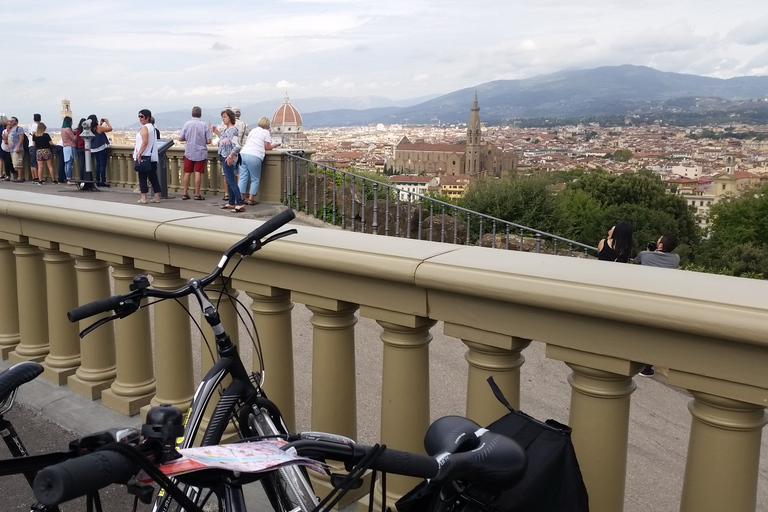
[141,116]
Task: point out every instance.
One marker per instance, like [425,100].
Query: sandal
[185,197]
[251,202]
[199,198]
[227,207]
[226,197]
[238,209]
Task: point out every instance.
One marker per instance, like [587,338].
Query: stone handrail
[603,320]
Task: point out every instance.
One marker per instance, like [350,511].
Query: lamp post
[87,135]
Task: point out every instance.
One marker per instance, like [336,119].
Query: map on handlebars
[252,457]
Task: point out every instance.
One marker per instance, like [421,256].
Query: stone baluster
[334,397]
[404,390]
[205,182]
[64,356]
[134,384]
[217,184]
[173,348]
[33,310]
[490,354]
[601,387]
[97,349]
[174,183]
[722,465]
[271,309]
[9,311]
[123,169]
[334,394]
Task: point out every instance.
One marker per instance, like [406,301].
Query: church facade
[475,159]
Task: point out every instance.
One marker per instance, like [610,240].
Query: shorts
[193,166]
[44,154]
[17,159]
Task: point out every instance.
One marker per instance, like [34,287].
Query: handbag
[144,164]
[552,480]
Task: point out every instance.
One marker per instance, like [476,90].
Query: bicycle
[470,468]
[243,401]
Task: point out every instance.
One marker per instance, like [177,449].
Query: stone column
[404,391]
[490,354]
[173,347]
[33,311]
[97,349]
[134,384]
[599,418]
[9,311]
[64,356]
[123,169]
[722,466]
[271,308]
[174,164]
[334,394]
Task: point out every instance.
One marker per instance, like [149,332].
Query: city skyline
[118,58]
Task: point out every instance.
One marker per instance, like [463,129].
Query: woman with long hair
[43,152]
[100,148]
[145,150]
[80,147]
[229,147]
[618,245]
[69,143]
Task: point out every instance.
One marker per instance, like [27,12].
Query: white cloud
[119,58]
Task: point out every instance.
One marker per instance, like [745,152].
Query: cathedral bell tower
[473,140]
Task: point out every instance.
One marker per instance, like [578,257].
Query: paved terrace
[659,419]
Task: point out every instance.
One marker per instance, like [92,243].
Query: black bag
[552,481]
[143,165]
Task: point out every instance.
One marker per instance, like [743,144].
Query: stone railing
[602,320]
[120,172]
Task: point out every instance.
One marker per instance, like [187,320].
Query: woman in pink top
[69,141]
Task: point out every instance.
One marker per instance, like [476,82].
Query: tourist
[145,151]
[16,143]
[197,135]
[229,147]
[43,153]
[252,155]
[69,148]
[618,245]
[100,148]
[80,147]
[5,153]
[36,174]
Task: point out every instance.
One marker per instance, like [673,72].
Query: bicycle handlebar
[247,245]
[497,462]
[82,475]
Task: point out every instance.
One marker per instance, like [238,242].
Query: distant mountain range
[610,90]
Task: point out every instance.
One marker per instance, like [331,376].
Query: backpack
[552,481]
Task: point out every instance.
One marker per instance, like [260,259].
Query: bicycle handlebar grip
[406,463]
[82,475]
[94,308]
[272,224]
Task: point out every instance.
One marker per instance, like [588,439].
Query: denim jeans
[229,176]
[250,167]
[33,156]
[100,174]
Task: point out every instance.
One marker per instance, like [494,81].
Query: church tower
[66,110]
[473,141]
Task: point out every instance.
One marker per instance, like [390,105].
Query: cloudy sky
[113,58]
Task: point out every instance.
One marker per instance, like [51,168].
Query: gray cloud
[750,33]
[220,47]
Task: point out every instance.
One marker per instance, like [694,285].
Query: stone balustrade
[601,320]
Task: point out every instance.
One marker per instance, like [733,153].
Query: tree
[595,202]
[738,242]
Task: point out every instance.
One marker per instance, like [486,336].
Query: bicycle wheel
[288,489]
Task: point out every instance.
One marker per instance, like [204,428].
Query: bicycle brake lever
[96,324]
[277,236]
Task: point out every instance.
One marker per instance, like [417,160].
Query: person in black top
[618,245]
[44,152]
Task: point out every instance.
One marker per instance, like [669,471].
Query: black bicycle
[243,401]
[469,470]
